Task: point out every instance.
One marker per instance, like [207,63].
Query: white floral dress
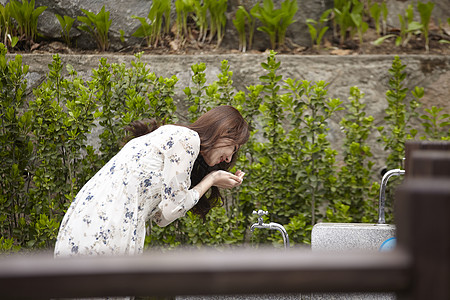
[148,179]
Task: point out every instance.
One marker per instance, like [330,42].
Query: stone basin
[339,237]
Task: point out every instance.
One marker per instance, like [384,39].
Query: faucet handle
[260,212]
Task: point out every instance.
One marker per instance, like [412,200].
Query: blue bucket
[388,244]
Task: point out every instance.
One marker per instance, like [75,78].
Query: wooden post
[422,215]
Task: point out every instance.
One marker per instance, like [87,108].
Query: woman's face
[222,151]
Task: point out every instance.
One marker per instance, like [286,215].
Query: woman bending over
[159,175]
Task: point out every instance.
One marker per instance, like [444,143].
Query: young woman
[159,175]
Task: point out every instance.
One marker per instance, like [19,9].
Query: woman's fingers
[240,174]
[227,180]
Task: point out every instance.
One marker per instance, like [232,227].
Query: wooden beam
[196,272]
[430,163]
[413,146]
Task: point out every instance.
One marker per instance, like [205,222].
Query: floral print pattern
[149,179]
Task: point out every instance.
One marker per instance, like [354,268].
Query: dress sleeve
[180,154]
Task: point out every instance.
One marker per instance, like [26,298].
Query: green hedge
[292,169]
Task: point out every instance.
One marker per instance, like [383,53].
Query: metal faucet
[271,225]
[384,181]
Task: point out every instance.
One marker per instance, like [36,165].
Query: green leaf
[380,40]
[414,26]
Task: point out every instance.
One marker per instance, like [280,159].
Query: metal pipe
[382,200]
[283,232]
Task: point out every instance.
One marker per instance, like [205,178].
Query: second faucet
[271,225]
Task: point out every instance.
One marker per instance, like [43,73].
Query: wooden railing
[205,272]
[419,267]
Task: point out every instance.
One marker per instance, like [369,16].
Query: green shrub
[66,23]
[359,25]
[218,19]
[425,10]
[244,22]
[7,29]
[209,17]
[434,124]
[399,113]
[97,25]
[317,29]
[16,150]
[151,28]
[375,11]
[26,16]
[275,21]
[354,197]
[342,19]
[184,9]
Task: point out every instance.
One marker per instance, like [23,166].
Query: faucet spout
[382,200]
[261,226]
[283,232]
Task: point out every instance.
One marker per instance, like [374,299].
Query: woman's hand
[221,179]
[226,180]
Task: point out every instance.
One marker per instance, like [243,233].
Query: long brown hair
[139,128]
[219,122]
